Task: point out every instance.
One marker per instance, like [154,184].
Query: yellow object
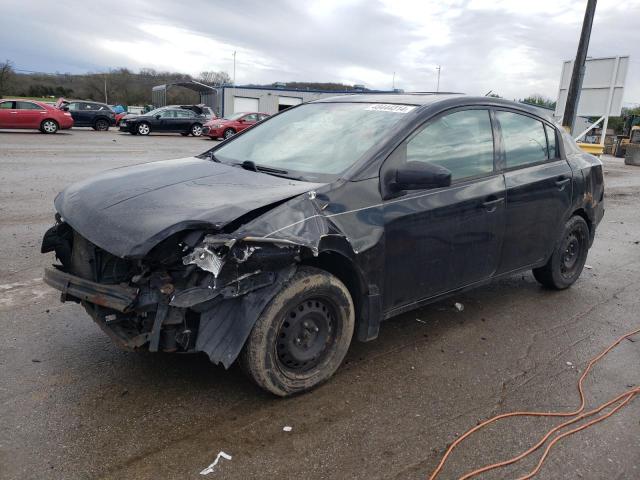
[592,148]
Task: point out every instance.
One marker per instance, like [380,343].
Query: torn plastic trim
[206,259]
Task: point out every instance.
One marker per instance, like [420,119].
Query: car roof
[432,99]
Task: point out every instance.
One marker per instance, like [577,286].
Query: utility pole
[106,100]
[438,84]
[393,82]
[234,69]
[573,95]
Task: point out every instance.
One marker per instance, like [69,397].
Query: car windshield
[315,141]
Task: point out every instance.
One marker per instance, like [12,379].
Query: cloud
[512,47]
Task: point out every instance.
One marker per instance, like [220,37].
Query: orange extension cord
[621,400]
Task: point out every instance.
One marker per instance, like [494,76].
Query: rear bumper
[116,297]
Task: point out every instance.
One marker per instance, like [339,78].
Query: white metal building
[228,99]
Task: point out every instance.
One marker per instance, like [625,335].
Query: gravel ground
[73,406]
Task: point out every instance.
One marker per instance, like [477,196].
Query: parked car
[165,119]
[96,115]
[281,243]
[18,113]
[120,116]
[227,127]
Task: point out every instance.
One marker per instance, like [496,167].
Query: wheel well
[341,267]
[581,213]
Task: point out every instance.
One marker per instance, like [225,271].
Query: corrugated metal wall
[268,99]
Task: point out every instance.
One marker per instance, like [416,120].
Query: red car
[33,115]
[227,127]
[120,116]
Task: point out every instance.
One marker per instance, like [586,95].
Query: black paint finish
[395,250]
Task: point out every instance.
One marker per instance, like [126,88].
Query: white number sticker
[390,107]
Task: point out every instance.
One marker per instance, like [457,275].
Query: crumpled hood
[127,211]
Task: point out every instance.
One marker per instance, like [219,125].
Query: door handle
[561,182]
[491,203]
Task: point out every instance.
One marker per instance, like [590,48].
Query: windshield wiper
[249,165]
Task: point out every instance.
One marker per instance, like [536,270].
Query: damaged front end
[195,291]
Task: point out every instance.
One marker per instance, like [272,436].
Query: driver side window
[461,142]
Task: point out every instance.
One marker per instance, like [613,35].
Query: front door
[29,115]
[538,186]
[247,121]
[166,122]
[442,239]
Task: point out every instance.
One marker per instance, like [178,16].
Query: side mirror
[158,116]
[241,120]
[420,175]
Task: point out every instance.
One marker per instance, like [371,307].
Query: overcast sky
[514,48]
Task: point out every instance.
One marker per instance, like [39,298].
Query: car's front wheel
[196,130]
[568,259]
[303,334]
[228,133]
[49,126]
[101,125]
[143,129]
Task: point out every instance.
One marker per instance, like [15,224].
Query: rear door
[184,119]
[438,240]
[8,114]
[538,186]
[29,115]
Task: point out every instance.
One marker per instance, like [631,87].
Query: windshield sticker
[390,107]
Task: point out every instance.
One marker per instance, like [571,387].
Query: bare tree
[215,78]
[6,76]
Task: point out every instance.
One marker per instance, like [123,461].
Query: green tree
[6,76]
[540,100]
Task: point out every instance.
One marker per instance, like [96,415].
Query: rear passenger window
[524,139]
[28,106]
[6,105]
[551,140]
[462,142]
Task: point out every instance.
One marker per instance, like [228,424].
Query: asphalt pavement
[73,406]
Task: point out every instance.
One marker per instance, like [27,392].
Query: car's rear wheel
[49,126]
[568,259]
[101,125]
[196,130]
[143,129]
[303,334]
[228,133]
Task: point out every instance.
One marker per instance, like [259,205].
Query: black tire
[143,128]
[302,336]
[184,134]
[101,125]
[568,259]
[228,133]
[196,130]
[49,126]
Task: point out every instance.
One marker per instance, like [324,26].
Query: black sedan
[280,244]
[165,119]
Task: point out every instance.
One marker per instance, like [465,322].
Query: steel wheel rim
[306,335]
[570,259]
[196,130]
[49,126]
